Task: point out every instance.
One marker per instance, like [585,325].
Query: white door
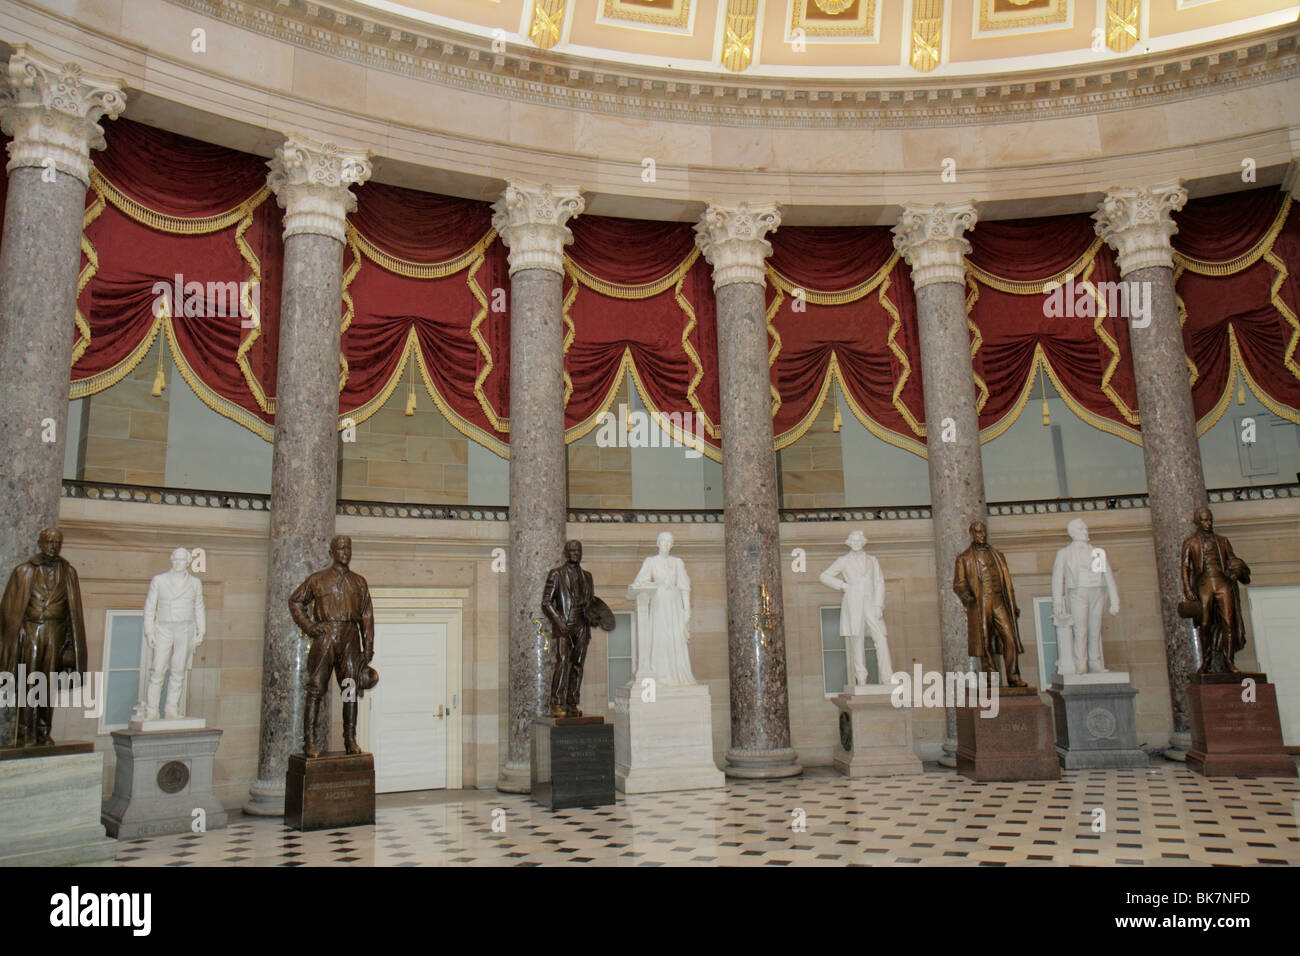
[1275,617]
[408,712]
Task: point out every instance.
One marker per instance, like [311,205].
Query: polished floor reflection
[1160,816]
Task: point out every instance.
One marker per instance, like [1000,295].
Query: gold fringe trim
[419,270]
[575,432]
[1036,286]
[645,291]
[917,427]
[471,279]
[1275,296]
[714,431]
[1099,328]
[843,296]
[977,339]
[362,412]
[255,278]
[665,424]
[570,333]
[1226,267]
[92,266]
[174,224]
[111,376]
[775,350]
[466,428]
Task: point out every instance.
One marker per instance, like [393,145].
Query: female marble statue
[663,606]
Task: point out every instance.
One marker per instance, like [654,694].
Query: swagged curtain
[426,293]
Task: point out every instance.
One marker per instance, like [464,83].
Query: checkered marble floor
[1164,815]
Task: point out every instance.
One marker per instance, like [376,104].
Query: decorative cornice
[1137,222]
[310,180]
[522,73]
[731,238]
[929,237]
[531,220]
[52,110]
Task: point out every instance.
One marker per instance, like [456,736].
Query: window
[125,666]
[835,659]
[618,657]
[1046,631]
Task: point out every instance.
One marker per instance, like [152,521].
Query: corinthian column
[531,220]
[1137,223]
[52,110]
[310,180]
[731,238]
[929,237]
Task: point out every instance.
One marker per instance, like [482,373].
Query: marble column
[52,110]
[1138,224]
[310,180]
[531,220]
[731,238]
[929,237]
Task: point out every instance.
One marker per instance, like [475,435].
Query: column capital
[731,238]
[52,110]
[531,220]
[1137,222]
[929,237]
[310,180]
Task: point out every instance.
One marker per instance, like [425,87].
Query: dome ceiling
[848,38]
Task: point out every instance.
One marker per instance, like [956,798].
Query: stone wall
[126,438]
[117,547]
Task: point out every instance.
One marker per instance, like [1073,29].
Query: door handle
[439,714]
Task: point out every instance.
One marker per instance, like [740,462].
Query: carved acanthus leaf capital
[732,240]
[929,237]
[310,180]
[1137,222]
[52,110]
[531,221]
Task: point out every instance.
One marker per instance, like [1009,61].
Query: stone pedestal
[162,777]
[169,724]
[664,744]
[331,791]
[49,807]
[1096,723]
[572,762]
[1014,745]
[875,737]
[1232,737]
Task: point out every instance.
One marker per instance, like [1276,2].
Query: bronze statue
[1211,573]
[569,602]
[983,583]
[42,629]
[333,609]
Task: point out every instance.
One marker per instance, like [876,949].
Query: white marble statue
[1081,581]
[858,575]
[663,609]
[174,624]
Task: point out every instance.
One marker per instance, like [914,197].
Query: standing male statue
[174,625]
[1211,573]
[42,628]
[983,583]
[1081,580]
[858,575]
[570,604]
[333,609]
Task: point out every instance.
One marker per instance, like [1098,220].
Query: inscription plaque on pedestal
[1096,722]
[1236,729]
[572,762]
[1017,744]
[330,791]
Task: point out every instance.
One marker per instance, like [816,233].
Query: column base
[763,764]
[515,778]
[1180,742]
[265,798]
[948,758]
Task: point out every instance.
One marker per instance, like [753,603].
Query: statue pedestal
[664,744]
[331,791]
[1096,722]
[572,762]
[875,737]
[168,723]
[162,777]
[49,806]
[1017,744]
[1232,737]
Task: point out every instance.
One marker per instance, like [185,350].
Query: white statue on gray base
[858,575]
[1081,581]
[662,591]
[174,625]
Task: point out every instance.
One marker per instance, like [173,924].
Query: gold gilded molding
[674,14]
[1122,24]
[841,21]
[997,15]
[547,21]
[927,35]
[738,34]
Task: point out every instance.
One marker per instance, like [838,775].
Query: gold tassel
[838,421]
[160,380]
[1241,392]
[410,397]
[1047,415]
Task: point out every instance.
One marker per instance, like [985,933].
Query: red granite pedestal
[1232,737]
[1017,744]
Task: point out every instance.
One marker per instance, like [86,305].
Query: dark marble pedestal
[572,762]
[1232,737]
[1017,744]
[1096,722]
[330,791]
